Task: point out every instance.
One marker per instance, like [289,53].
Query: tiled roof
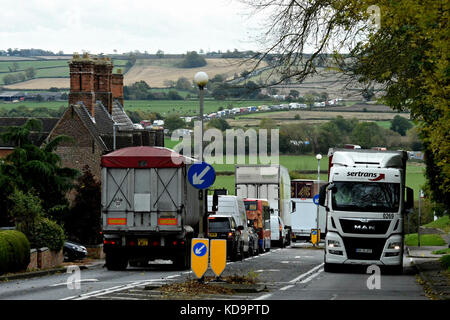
[89,122]
[120,117]
[103,120]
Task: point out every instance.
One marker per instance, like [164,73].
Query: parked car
[224,227]
[74,251]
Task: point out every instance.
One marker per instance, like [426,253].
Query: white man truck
[365,202]
[271,182]
[150,210]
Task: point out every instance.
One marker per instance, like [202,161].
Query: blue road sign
[316,199]
[200,249]
[201,175]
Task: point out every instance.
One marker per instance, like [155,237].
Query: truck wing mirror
[323,194]
[240,228]
[215,204]
[409,199]
[293,206]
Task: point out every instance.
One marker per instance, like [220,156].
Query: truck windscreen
[251,205]
[219,225]
[366,196]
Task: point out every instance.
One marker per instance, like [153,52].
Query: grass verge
[425,240]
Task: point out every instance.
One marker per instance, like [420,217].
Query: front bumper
[362,251]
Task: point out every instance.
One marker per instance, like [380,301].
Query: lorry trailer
[149,209]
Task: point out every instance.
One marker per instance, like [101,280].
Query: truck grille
[364,249]
[369,227]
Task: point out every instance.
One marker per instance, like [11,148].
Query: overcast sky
[174,26]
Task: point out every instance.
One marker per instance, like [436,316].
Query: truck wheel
[329,267]
[235,254]
[241,252]
[116,261]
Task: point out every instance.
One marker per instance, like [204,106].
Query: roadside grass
[425,240]
[445,261]
[442,251]
[442,223]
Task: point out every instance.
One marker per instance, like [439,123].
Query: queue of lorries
[151,211]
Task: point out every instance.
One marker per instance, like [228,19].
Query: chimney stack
[102,81]
[117,87]
[82,82]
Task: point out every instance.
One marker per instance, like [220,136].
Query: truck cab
[365,203]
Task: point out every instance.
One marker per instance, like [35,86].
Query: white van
[277,231]
[233,206]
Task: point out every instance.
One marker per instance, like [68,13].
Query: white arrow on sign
[197,179]
[199,250]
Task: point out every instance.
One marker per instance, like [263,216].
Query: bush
[14,251]
[47,233]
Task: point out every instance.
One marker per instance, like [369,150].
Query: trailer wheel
[116,261]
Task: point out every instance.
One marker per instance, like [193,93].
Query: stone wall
[44,258]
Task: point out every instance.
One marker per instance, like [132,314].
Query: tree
[32,168]
[160,54]
[173,122]
[368,135]
[84,221]
[219,123]
[402,46]
[30,73]
[192,60]
[400,124]
[294,93]
[183,83]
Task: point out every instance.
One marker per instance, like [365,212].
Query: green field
[305,167]
[45,68]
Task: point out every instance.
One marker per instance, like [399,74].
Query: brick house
[95,112]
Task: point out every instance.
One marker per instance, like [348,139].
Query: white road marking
[75,281]
[303,278]
[307,273]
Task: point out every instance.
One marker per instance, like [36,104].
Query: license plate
[142,242]
[213,234]
[364,250]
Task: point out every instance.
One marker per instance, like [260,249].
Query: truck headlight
[333,244]
[395,245]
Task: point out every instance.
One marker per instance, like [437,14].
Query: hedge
[47,233]
[14,251]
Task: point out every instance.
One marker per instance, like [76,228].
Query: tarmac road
[292,273]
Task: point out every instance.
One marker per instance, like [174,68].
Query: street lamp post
[201,79]
[318,157]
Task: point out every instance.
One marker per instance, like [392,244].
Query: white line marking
[311,277]
[264,297]
[287,287]
[306,274]
[304,277]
